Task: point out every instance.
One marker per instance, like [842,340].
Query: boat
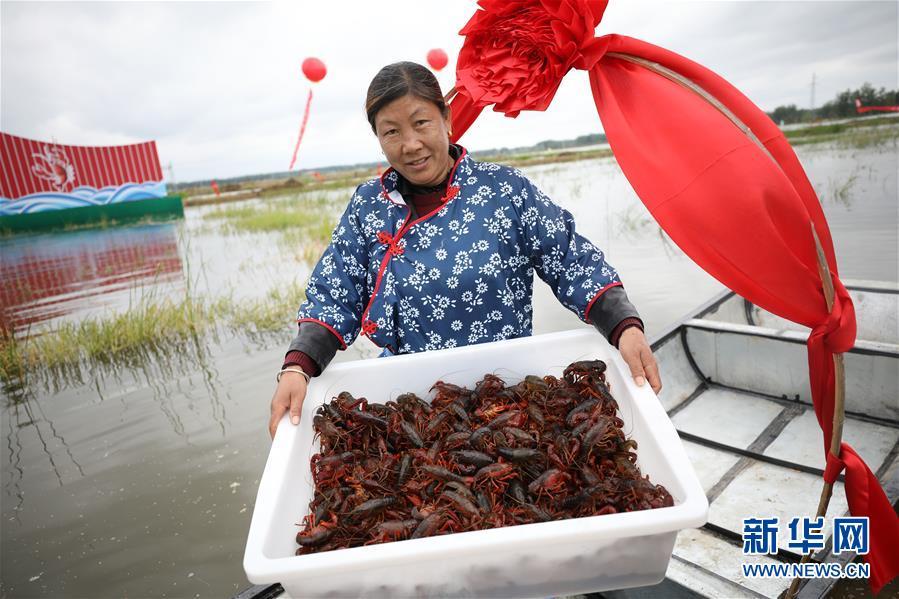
[736,388]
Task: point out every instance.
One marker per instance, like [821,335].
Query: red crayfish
[543,449]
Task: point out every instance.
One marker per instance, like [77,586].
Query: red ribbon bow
[735,198]
[516,52]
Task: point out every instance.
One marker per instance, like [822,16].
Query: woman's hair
[397,80]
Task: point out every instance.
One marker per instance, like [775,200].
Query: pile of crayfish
[543,449]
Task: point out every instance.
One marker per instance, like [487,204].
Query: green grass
[277,220]
[560,156]
[858,139]
[304,211]
[151,329]
[266,316]
[305,224]
[148,329]
[842,191]
[232,212]
[839,127]
[866,138]
[13,359]
[858,134]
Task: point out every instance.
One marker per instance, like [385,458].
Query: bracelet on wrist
[291,369]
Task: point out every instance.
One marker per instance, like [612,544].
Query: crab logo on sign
[53,165]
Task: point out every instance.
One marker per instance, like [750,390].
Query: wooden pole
[839,397]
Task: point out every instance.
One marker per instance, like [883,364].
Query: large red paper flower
[517,51]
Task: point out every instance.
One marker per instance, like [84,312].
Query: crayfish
[543,449]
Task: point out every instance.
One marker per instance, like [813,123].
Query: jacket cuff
[622,326]
[298,358]
[317,343]
[610,310]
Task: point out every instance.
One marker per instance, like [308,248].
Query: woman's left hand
[636,352]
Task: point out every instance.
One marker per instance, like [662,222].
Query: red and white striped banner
[29,166]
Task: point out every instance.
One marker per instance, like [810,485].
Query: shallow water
[143,484]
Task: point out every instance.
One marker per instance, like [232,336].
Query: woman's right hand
[289,395]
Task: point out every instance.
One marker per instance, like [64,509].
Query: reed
[832,128]
[307,214]
[556,157]
[268,313]
[152,329]
[305,225]
[868,138]
[277,220]
[232,212]
[12,359]
[841,190]
[865,134]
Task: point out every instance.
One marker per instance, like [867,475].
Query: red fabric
[742,213]
[426,203]
[627,323]
[298,358]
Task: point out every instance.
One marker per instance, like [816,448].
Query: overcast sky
[218,84]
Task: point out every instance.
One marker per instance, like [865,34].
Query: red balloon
[314,69]
[437,59]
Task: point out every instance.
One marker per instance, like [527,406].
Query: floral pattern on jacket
[458,276]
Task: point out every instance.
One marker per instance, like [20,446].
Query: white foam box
[571,556]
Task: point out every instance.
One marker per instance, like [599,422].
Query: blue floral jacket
[458,276]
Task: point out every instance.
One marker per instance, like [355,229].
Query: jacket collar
[390,180]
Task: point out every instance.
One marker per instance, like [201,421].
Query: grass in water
[831,128]
[260,318]
[152,329]
[148,329]
[305,225]
[314,215]
[848,135]
[165,328]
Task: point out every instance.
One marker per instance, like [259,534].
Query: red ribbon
[734,198]
[302,130]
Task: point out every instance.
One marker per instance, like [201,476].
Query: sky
[218,85]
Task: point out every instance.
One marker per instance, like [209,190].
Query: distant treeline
[843,106]
[549,144]
[234,183]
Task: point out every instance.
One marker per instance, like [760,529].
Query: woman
[440,252]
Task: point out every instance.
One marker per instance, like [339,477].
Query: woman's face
[415,139]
